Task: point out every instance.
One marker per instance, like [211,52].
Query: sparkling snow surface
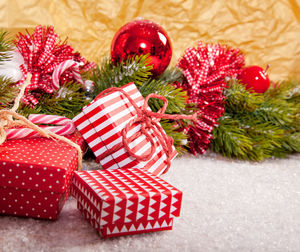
[228,205]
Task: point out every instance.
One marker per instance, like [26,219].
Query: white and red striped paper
[126,201]
[64,126]
[101,123]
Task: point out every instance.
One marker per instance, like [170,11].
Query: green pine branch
[136,69]
[67,101]
[8,92]
[171,75]
[180,139]
[258,126]
[5,46]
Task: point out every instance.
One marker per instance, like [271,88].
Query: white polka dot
[10,193]
[44,180]
[46,198]
[3,175]
[51,175]
[17,177]
[4,163]
[37,173]
[57,181]
[30,178]
[36,185]
[16,200]
[33,209]
[4,198]
[50,186]
[21,207]
[24,171]
[9,205]
[10,170]
[9,182]
[45,210]
[33,196]
[18,165]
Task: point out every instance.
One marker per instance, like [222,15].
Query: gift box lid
[101,120]
[125,195]
[38,163]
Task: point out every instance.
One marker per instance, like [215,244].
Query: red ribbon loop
[148,120]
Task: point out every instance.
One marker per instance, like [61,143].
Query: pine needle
[258,126]
[67,101]
[5,46]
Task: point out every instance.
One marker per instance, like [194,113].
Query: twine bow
[7,121]
[149,121]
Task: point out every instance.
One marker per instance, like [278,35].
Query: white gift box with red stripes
[101,123]
[126,201]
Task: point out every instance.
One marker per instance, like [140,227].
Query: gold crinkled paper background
[268,32]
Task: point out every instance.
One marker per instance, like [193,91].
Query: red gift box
[125,201]
[35,175]
[101,124]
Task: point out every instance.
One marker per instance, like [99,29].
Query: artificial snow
[228,205]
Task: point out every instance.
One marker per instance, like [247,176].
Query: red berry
[255,78]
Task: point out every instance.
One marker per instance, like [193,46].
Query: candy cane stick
[65,126]
[63,66]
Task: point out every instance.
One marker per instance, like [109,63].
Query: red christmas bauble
[255,78]
[143,37]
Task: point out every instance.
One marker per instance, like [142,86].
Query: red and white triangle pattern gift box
[101,123]
[126,201]
[35,175]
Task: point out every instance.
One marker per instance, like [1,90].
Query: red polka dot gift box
[102,124]
[125,201]
[35,175]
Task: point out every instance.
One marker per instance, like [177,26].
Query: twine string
[7,117]
[148,120]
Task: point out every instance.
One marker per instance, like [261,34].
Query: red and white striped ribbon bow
[63,66]
[63,126]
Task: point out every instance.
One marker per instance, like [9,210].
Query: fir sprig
[5,46]
[8,92]
[67,101]
[175,96]
[258,126]
[136,69]
[180,139]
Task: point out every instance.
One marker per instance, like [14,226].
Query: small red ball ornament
[255,78]
[143,37]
